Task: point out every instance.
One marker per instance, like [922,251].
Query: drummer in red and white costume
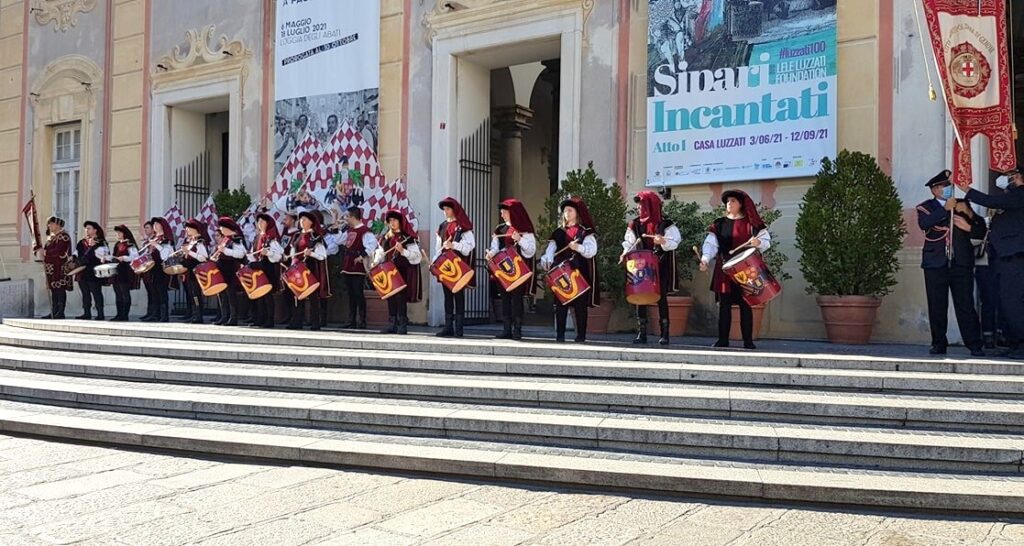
[229,255]
[289,231]
[741,225]
[194,252]
[400,244]
[160,247]
[308,246]
[455,233]
[267,254]
[359,246]
[515,230]
[574,241]
[660,235]
[125,280]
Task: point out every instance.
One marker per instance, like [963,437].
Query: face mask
[1003,182]
[947,192]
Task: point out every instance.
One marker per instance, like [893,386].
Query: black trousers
[122,295]
[988,298]
[398,306]
[580,309]
[641,310]
[454,304]
[92,291]
[1010,276]
[195,294]
[939,283]
[725,303]
[356,298]
[512,302]
[311,305]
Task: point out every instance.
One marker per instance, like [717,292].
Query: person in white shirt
[574,241]
[308,247]
[400,245]
[456,234]
[160,247]
[91,250]
[651,231]
[195,251]
[229,255]
[741,224]
[514,231]
[125,280]
[359,246]
[266,254]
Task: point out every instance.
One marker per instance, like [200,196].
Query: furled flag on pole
[176,220]
[970,46]
[248,223]
[32,218]
[208,215]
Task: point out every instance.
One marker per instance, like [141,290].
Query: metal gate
[191,189]
[477,193]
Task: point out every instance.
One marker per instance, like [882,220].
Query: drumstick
[744,245]
[697,252]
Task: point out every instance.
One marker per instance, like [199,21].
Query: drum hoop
[740,257]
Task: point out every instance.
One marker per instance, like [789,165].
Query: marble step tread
[512,424]
[961,493]
[371,341]
[748,374]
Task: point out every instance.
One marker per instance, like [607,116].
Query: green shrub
[232,203]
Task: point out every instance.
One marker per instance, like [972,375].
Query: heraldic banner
[970,45]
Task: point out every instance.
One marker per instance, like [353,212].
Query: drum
[566,282]
[73,266]
[301,281]
[173,266]
[211,280]
[509,269]
[387,280]
[642,287]
[748,270]
[452,271]
[142,264]
[254,282]
[105,271]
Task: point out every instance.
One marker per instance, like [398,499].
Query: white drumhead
[739,257]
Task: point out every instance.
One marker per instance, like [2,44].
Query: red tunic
[730,234]
[354,250]
[318,268]
[57,250]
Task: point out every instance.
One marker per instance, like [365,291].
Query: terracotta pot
[678,315]
[849,319]
[376,310]
[598,317]
[734,331]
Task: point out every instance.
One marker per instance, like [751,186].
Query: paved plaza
[62,493]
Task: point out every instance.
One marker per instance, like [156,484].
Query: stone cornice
[449,16]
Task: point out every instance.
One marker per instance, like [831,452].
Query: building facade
[106,105]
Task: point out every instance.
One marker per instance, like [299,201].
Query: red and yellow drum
[387,280]
[73,266]
[452,271]
[566,282]
[211,280]
[142,264]
[254,282]
[749,271]
[173,266]
[301,281]
[509,269]
[642,286]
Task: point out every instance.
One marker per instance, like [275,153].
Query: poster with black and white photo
[326,73]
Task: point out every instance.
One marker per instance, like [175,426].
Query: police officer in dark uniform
[1007,241]
[947,259]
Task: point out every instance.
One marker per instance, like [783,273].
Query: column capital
[513,121]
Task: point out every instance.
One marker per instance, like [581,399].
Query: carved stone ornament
[199,50]
[62,13]
[454,12]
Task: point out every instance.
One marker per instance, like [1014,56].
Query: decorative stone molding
[450,14]
[74,76]
[62,13]
[200,52]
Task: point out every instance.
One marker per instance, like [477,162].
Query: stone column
[512,121]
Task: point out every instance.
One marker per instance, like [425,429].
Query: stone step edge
[484,347]
[594,431]
[767,483]
[461,389]
[876,380]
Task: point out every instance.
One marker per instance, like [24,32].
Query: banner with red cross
[969,41]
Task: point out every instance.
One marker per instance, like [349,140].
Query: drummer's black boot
[223,309]
[663,340]
[197,312]
[458,325]
[506,332]
[641,331]
[581,325]
[61,296]
[98,298]
[561,315]
[517,329]
[392,327]
[448,330]
[403,325]
[232,308]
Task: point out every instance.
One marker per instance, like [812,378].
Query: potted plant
[849,231]
[774,258]
[688,217]
[608,210]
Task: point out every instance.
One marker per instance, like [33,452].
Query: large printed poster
[740,89]
[326,90]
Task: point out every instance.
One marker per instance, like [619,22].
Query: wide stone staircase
[928,433]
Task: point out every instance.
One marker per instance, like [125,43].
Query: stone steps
[963,383]
[612,431]
[766,482]
[594,354]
